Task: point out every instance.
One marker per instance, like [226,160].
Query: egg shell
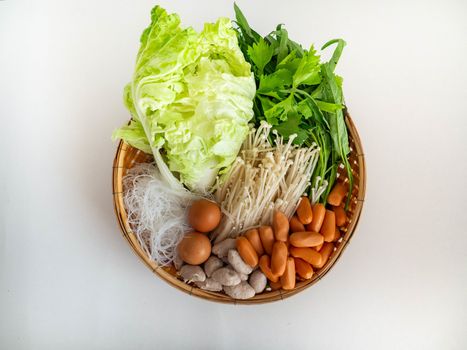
[194,248]
[204,215]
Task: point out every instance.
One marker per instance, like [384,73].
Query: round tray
[128,156]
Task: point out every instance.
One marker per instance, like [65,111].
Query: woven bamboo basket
[128,156]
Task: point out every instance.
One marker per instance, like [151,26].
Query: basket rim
[164,274]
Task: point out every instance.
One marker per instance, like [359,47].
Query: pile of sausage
[291,250]
[277,255]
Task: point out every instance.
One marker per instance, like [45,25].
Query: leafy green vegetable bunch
[190,99]
[299,94]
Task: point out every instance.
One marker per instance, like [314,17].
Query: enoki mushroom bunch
[262,179]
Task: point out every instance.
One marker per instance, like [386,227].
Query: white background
[68,280]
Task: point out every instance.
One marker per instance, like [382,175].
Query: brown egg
[194,248]
[204,215]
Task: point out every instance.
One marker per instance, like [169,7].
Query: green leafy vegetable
[260,53]
[299,94]
[333,94]
[308,69]
[191,98]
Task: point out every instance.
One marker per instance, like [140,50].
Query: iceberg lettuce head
[190,99]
